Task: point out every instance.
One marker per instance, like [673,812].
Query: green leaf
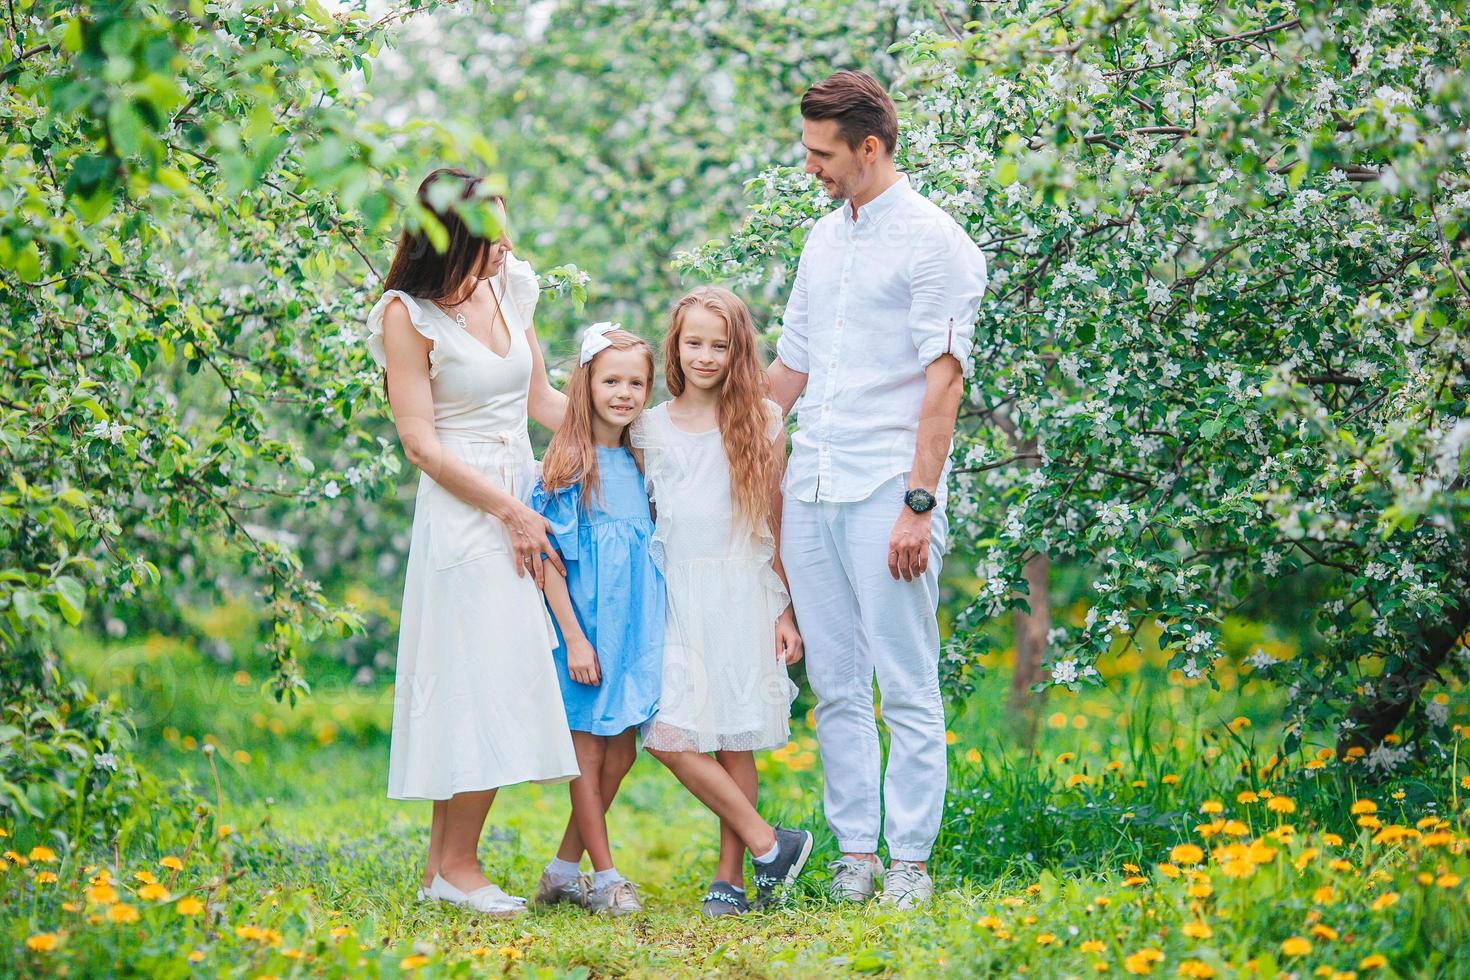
[71,596]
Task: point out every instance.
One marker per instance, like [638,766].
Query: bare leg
[464,819]
[741,767]
[619,754]
[436,842]
[703,776]
[588,810]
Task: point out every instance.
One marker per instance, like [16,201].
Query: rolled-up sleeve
[947,283]
[791,345]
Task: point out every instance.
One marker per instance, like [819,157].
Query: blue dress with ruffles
[616,591]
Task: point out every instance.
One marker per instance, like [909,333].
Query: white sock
[563,869]
[769,856]
[601,879]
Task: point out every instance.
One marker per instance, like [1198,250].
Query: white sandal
[490,899]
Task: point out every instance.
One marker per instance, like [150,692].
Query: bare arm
[944,385]
[788,639]
[544,403]
[785,383]
[908,545]
[581,658]
[412,401]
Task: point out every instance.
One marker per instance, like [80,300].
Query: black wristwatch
[919,500]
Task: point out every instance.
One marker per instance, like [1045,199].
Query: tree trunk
[1031,630]
[1396,693]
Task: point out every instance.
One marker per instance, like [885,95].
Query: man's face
[841,169]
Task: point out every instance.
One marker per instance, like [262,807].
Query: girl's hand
[529,543]
[582,663]
[788,640]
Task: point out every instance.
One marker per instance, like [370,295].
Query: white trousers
[855,620]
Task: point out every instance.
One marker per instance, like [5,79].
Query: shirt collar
[878,206]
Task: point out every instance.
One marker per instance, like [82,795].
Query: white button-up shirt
[875,301]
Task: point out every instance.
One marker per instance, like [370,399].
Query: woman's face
[704,348]
[494,257]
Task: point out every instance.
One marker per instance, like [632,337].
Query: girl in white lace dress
[713,457]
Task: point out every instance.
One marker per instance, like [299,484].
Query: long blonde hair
[572,454]
[742,410]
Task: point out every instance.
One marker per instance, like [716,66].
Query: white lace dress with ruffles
[724,688]
[476,703]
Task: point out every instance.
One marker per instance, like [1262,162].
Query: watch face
[919,500]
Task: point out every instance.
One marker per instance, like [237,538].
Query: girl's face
[620,384]
[495,255]
[704,348]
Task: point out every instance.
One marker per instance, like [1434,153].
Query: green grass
[1036,857]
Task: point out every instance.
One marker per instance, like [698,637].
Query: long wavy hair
[423,271]
[572,454]
[742,410]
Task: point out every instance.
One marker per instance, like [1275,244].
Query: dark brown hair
[859,104]
[421,270]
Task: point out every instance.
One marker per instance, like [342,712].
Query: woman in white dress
[476,703]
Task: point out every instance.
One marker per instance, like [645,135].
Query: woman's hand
[788,640]
[582,662]
[529,542]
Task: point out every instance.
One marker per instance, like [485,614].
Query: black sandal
[724,898]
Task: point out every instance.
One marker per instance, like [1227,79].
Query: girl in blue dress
[609,610]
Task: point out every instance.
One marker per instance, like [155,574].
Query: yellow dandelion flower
[1212,807]
[950,738]
[1397,794]
[42,854]
[292,954]
[71,907]
[1236,828]
[1200,889]
[42,942]
[1447,880]
[1354,753]
[1078,779]
[1296,946]
[972,756]
[1369,822]
[1332,840]
[1045,939]
[45,877]
[1101,966]
[510,952]
[171,862]
[101,893]
[224,830]
[988,922]
[1363,806]
[1465,782]
[1168,870]
[1138,784]
[153,893]
[16,858]
[339,931]
[122,913]
[1385,900]
[196,956]
[146,877]
[1394,833]
[412,962]
[1134,880]
[1170,779]
[189,906]
[1197,930]
[1186,854]
[1065,758]
[1324,895]
[1239,722]
[1142,962]
[1374,961]
[1092,946]
[480,951]
[1324,932]
[1338,864]
[1238,868]
[1195,968]
[1281,804]
[1247,797]
[1305,858]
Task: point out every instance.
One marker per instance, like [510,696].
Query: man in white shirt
[879,325]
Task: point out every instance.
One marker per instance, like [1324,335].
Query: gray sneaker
[551,889]
[723,899]
[906,885]
[852,879]
[618,898]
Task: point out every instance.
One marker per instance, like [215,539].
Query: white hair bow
[594,340]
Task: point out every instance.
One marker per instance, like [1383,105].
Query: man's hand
[908,545]
[582,663]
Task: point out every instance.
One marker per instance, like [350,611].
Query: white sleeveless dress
[723,686]
[476,703]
